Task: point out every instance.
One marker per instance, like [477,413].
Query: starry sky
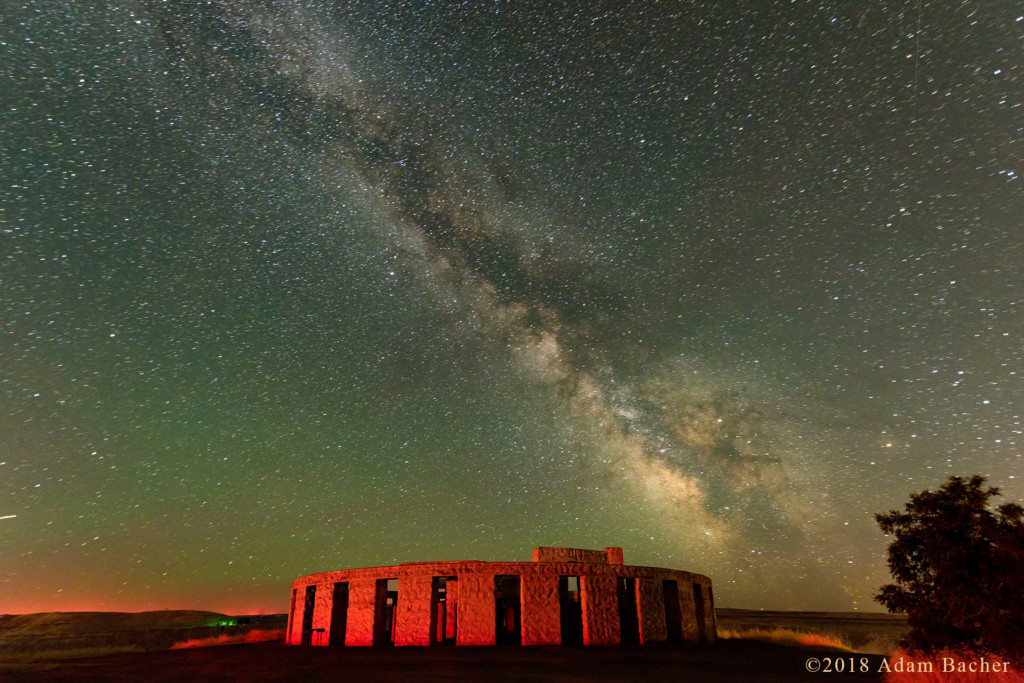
[295,286]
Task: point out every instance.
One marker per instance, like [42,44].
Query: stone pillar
[412,623]
[600,610]
[476,609]
[294,619]
[709,606]
[710,627]
[361,602]
[451,608]
[322,613]
[541,625]
[651,604]
[688,608]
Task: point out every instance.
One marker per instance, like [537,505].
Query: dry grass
[67,653]
[788,637]
[66,636]
[254,636]
[935,668]
[865,632]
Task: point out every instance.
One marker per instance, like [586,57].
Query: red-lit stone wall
[471,607]
[322,614]
[451,610]
[412,625]
[651,605]
[541,624]
[359,630]
[294,618]
[600,610]
[476,607]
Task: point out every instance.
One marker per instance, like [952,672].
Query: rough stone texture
[452,609]
[711,622]
[294,635]
[541,624]
[600,610]
[361,595]
[476,609]
[570,555]
[690,632]
[294,620]
[322,613]
[471,599]
[614,555]
[412,626]
[651,603]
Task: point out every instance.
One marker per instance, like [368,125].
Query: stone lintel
[581,555]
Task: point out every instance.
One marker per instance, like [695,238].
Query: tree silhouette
[958,569]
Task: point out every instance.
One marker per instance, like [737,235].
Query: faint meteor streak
[8,516]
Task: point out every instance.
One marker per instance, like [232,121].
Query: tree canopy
[958,569]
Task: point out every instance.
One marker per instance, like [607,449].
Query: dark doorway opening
[629,622]
[698,605]
[571,609]
[507,610]
[444,612]
[673,613]
[384,611]
[339,613]
[307,615]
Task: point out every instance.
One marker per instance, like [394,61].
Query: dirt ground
[728,660]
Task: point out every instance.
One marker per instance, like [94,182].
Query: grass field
[51,636]
[871,633]
[174,645]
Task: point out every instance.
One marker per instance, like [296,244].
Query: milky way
[291,287]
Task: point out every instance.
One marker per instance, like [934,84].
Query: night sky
[289,287]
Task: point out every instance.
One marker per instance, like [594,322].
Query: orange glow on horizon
[99,605]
